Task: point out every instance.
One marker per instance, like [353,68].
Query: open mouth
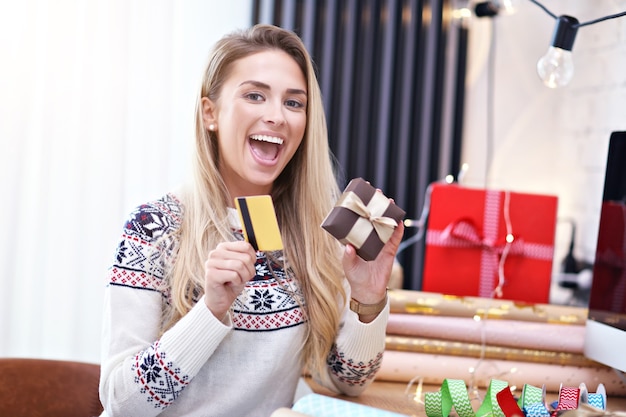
[265,147]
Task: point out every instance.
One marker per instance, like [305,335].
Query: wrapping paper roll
[429,303]
[318,405]
[404,366]
[475,350]
[512,333]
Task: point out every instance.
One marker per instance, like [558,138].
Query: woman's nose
[275,114]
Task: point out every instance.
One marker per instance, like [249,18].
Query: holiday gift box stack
[434,336]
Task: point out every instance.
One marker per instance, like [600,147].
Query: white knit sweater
[248,366]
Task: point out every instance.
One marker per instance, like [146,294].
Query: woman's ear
[209,115]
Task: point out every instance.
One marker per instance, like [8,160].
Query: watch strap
[367,309]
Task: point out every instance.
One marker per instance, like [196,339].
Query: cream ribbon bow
[373,212]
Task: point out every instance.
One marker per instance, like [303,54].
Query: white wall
[549,141]
[96,116]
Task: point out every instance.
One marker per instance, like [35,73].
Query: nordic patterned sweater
[248,365]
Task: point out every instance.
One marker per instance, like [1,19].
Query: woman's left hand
[368,280]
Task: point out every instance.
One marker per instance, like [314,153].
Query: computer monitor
[605,337]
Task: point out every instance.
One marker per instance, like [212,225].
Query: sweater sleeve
[357,353]
[144,372]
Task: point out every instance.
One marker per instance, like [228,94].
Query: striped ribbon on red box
[464,234]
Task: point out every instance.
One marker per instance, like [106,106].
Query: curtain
[392,77]
[96,116]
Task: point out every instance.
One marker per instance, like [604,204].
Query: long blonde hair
[303,195]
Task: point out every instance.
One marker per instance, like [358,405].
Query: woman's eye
[294,104]
[254,96]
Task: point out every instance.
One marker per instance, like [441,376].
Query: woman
[196,322]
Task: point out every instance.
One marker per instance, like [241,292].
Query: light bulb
[556,67]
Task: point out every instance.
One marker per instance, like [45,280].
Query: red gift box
[472,233]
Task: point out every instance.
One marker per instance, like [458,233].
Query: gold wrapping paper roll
[512,333]
[428,303]
[400,366]
[474,350]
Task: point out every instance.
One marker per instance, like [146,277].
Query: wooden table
[391,396]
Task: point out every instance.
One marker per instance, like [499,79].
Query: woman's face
[260,119]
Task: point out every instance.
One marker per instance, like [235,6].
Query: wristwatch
[367,309]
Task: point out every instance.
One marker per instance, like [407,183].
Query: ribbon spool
[533,401]
[499,401]
[453,393]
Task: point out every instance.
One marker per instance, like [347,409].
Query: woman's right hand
[229,266]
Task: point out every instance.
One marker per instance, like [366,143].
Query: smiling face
[259,119]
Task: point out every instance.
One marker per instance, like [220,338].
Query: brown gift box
[363,218]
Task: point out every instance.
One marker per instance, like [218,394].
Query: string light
[556,67]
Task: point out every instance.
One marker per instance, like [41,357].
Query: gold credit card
[259,223]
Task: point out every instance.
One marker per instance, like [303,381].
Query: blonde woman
[196,322]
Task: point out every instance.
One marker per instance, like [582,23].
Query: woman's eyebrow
[296,91]
[264,86]
[257,84]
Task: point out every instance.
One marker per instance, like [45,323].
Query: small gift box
[363,218]
[471,230]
